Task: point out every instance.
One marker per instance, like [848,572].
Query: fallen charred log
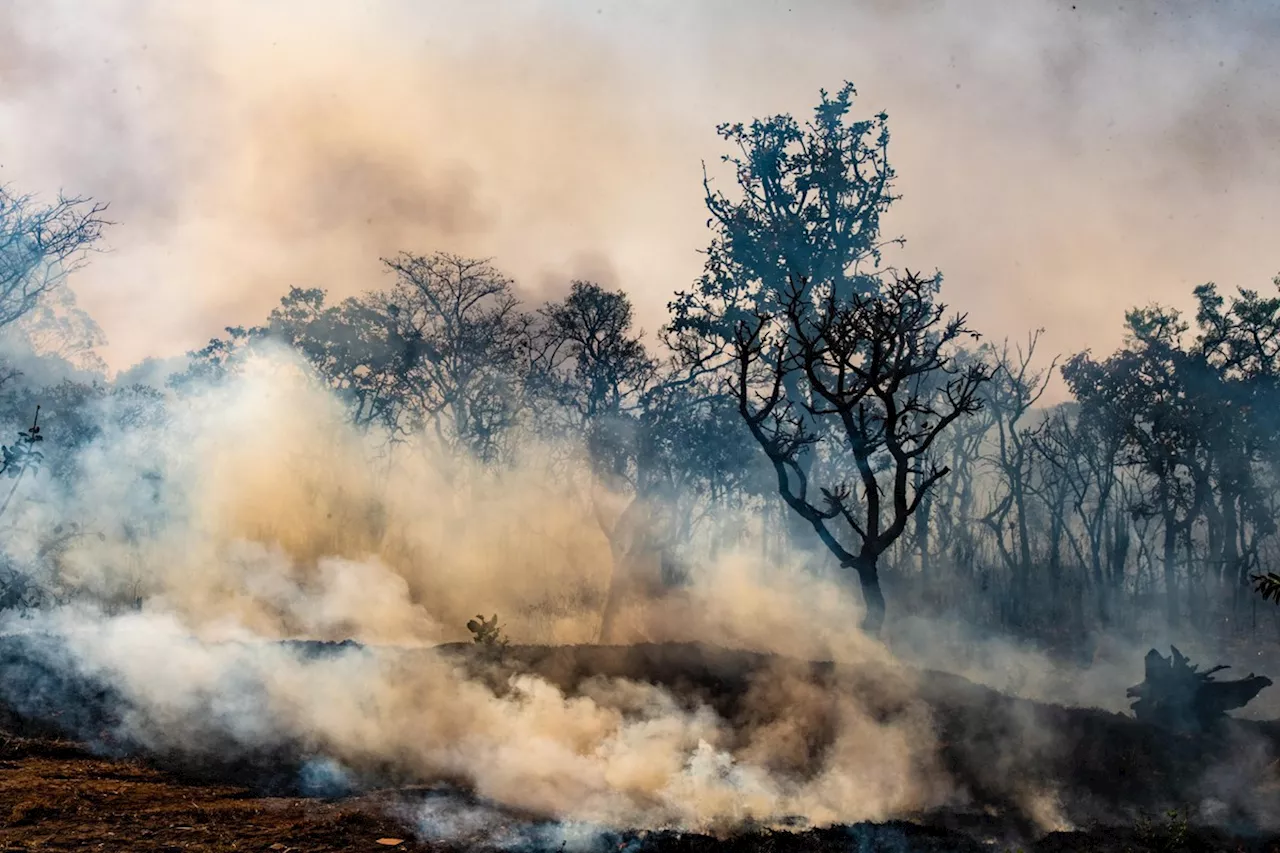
[1176,695]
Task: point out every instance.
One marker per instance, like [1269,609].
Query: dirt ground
[54,796]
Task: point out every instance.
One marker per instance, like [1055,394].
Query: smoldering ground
[250,514]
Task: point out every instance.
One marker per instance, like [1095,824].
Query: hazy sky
[1058,164]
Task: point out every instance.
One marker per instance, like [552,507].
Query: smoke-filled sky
[1058,164]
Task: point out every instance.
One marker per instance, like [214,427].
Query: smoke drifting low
[252,513]
[269,520]
[623,754]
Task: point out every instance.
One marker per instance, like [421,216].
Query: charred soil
[65,784]
[56,796]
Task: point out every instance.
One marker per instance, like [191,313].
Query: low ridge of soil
[56,794]
[1103,767]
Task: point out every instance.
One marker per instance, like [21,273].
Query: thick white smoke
[268,519]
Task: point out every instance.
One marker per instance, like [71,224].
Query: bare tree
[592,366]
[808,206]
[1156,390]
[1085,455]
[40,246]
[878,385]
[1015,387]
[468,336]
[591,369]
[659,445]
[953,502]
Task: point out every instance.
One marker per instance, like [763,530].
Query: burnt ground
[56,794]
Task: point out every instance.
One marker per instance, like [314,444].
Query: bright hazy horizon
[1058,165]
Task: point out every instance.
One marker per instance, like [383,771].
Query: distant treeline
[806,398]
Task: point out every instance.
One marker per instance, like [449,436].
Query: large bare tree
[40,245]
[805,204]
[468,339]
[878,383]
[835,362]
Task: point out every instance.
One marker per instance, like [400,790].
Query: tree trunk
[1023,582]
[922,526]
[804,544]
[1230,537]
[1214,558]
[872,595]
[636,571]
[1171,568]
[1197,583]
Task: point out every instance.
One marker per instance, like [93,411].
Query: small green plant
[21,456]
[1169,836]
[1267,586]
[487,632]
[23,453]
[1177,828]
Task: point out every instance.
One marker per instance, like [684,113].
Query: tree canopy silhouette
[845,373]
